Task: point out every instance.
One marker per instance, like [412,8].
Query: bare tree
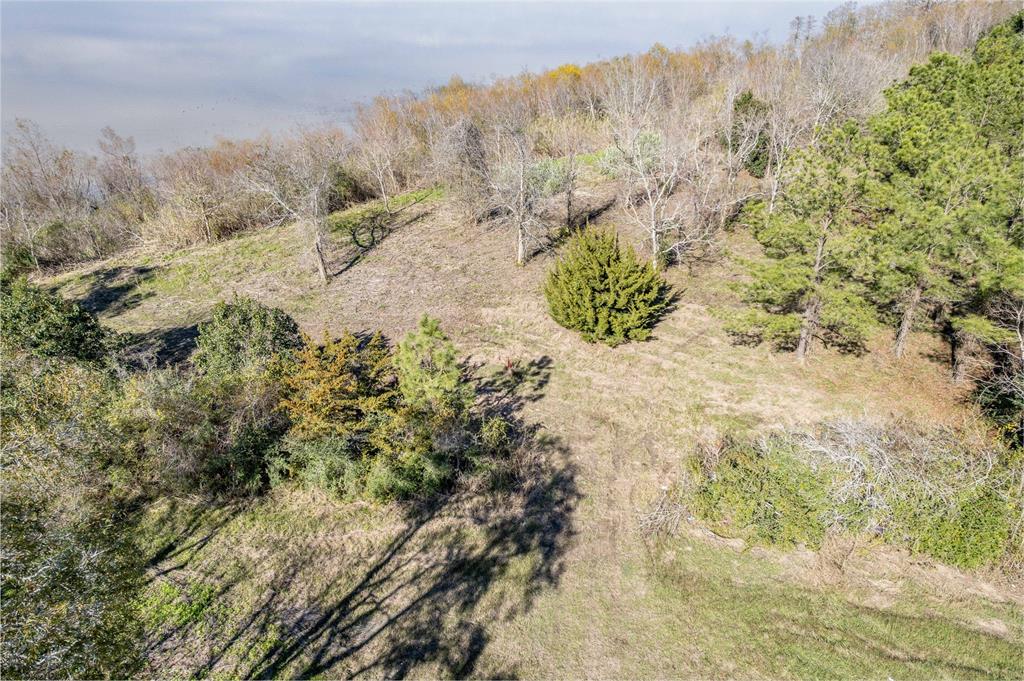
[644,156]
[382,145]
[46,186]
[122,182]
[297,173]
[514,186]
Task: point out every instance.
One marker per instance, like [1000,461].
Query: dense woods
[877,160]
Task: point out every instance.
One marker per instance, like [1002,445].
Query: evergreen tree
[332,388]
[605,291]
[806,291]
[941,193]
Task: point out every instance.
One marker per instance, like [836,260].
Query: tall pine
[806,291]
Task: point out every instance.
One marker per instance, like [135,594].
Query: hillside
[562,577]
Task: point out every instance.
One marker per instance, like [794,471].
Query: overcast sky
[178,73]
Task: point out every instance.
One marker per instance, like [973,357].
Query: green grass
[747,619]
[357,217]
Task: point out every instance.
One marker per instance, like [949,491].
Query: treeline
[914,218]
[690,135]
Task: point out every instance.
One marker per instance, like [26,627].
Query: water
[173,74]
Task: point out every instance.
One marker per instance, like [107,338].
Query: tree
[943,186]
[382,148]
[645,156]
[806,291]
[126,194]
[430,376]
[604,291]
[46,197]
[298,175]
[513,184]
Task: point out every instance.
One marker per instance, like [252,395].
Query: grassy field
[554,578]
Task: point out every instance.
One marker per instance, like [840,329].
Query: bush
[970,531]
[763,489]
[366,422]
[46,325]
[205,433]
[949,493]
[331,464]
[244,334]
[331,389]
[605,292]
[70,572]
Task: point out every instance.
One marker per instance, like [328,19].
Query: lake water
[172,74]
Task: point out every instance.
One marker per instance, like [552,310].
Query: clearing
[555,580]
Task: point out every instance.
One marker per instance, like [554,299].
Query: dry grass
[609,604]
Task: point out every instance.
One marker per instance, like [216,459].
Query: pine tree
[604,291]
[806,291]
[940,192]
[332,388]
[430,376]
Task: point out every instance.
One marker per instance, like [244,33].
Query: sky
[172,74]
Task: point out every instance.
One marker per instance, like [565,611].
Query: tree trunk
[812,313]
[907,322]
[655,250]
[521,246]
[321,260]
[568,207]
[808,328]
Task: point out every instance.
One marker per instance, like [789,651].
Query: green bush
[951,494]
[330,389]
[204,433]
[764,490]
[604,291]
[244,334]
[331,464]
[45,324]
[70,569]
[972,530]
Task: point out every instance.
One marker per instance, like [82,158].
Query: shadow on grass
[426,597]
[162,347]
[366,228]
[114,291]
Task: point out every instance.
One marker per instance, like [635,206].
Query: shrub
[970,531]
[949,493]
[603,291]
[207,433]
[244,334]
[763,489]
[45,324]
[70,571]
[331,464]
[330,389]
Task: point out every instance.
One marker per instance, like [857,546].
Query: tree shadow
[417,602]
[581,219]
[115,290]
[161,347]
[426,597]
[367,231]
